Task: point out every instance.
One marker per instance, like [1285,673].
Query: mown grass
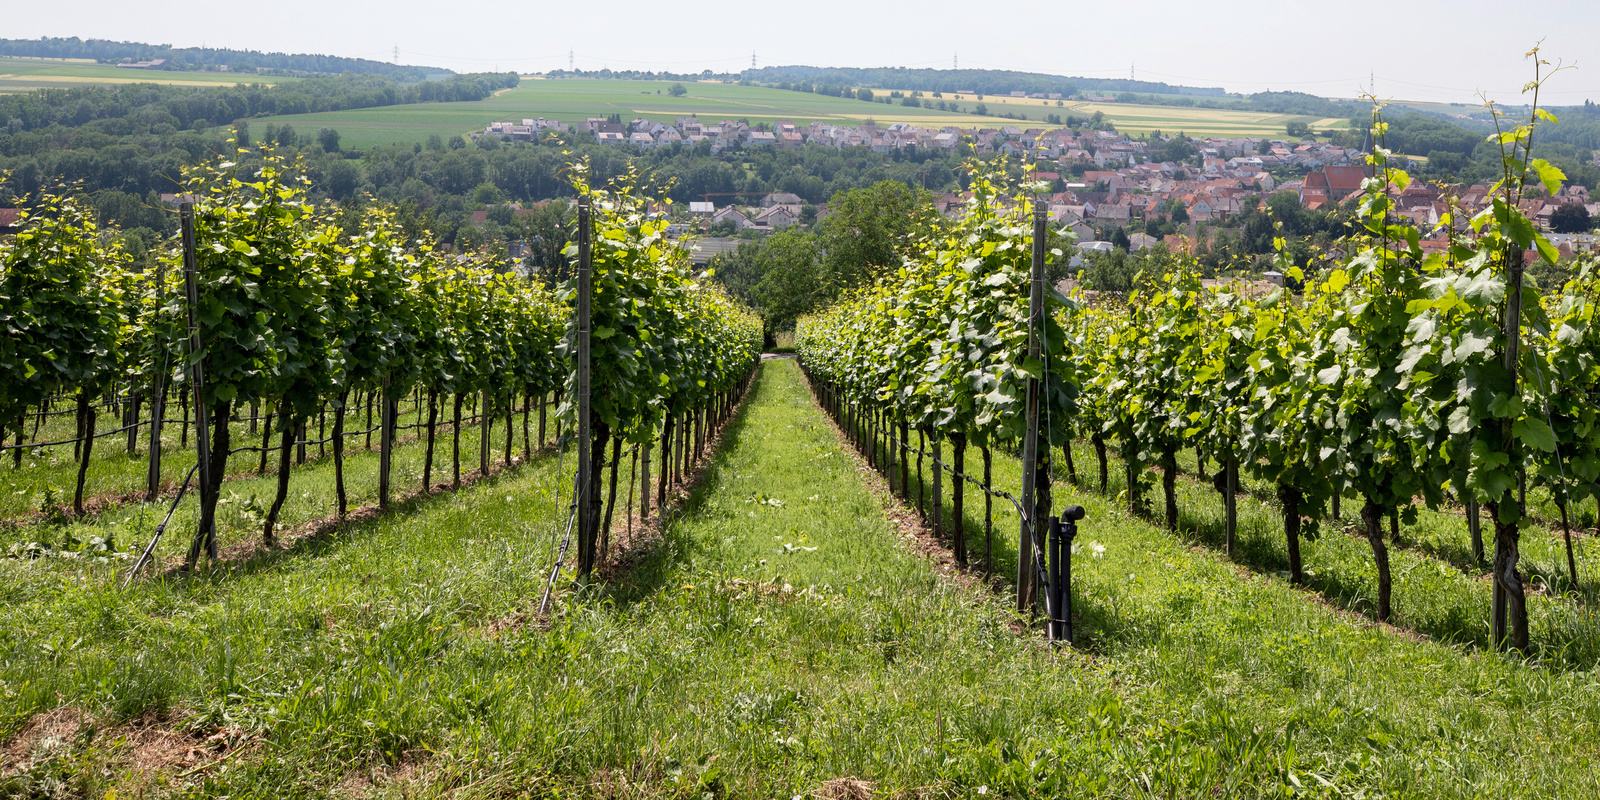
[1440,590]
[778,636]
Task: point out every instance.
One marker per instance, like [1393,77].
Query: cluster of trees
[1579,126]
[794,271]
[1423,134]
[200,58]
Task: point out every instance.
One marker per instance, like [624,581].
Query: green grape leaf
[1535,433]
[1549,175]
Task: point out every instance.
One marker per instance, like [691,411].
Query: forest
[201,58]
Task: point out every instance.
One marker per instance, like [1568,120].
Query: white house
[777,217]
[729,213]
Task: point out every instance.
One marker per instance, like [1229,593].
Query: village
[1102,179]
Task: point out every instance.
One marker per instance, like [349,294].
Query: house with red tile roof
[1344,181]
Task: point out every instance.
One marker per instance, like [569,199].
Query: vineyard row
[1401,377]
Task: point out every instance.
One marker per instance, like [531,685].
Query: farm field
[27,74]
[1200,122]
[781,638]
[572,101]
[1138,118]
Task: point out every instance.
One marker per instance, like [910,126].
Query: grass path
[776,639]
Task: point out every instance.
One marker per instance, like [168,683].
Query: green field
[27,74]
[572,101]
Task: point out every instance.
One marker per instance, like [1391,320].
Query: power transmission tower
[569,60]
[955,61]
[397,54]
[752,59]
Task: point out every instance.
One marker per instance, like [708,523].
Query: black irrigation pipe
[79,439]
[939,464]
[347,434]
[74,410]
[127,398]
[74,440]
[275,448]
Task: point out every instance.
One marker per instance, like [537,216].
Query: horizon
[1173,43]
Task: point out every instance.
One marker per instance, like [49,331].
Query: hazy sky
[1419,49]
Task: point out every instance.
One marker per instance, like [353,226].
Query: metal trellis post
[1026,577]
[206,534]
[158,403]
[385,444]
[580,365]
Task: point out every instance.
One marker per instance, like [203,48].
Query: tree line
[160,106]
[199,58]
